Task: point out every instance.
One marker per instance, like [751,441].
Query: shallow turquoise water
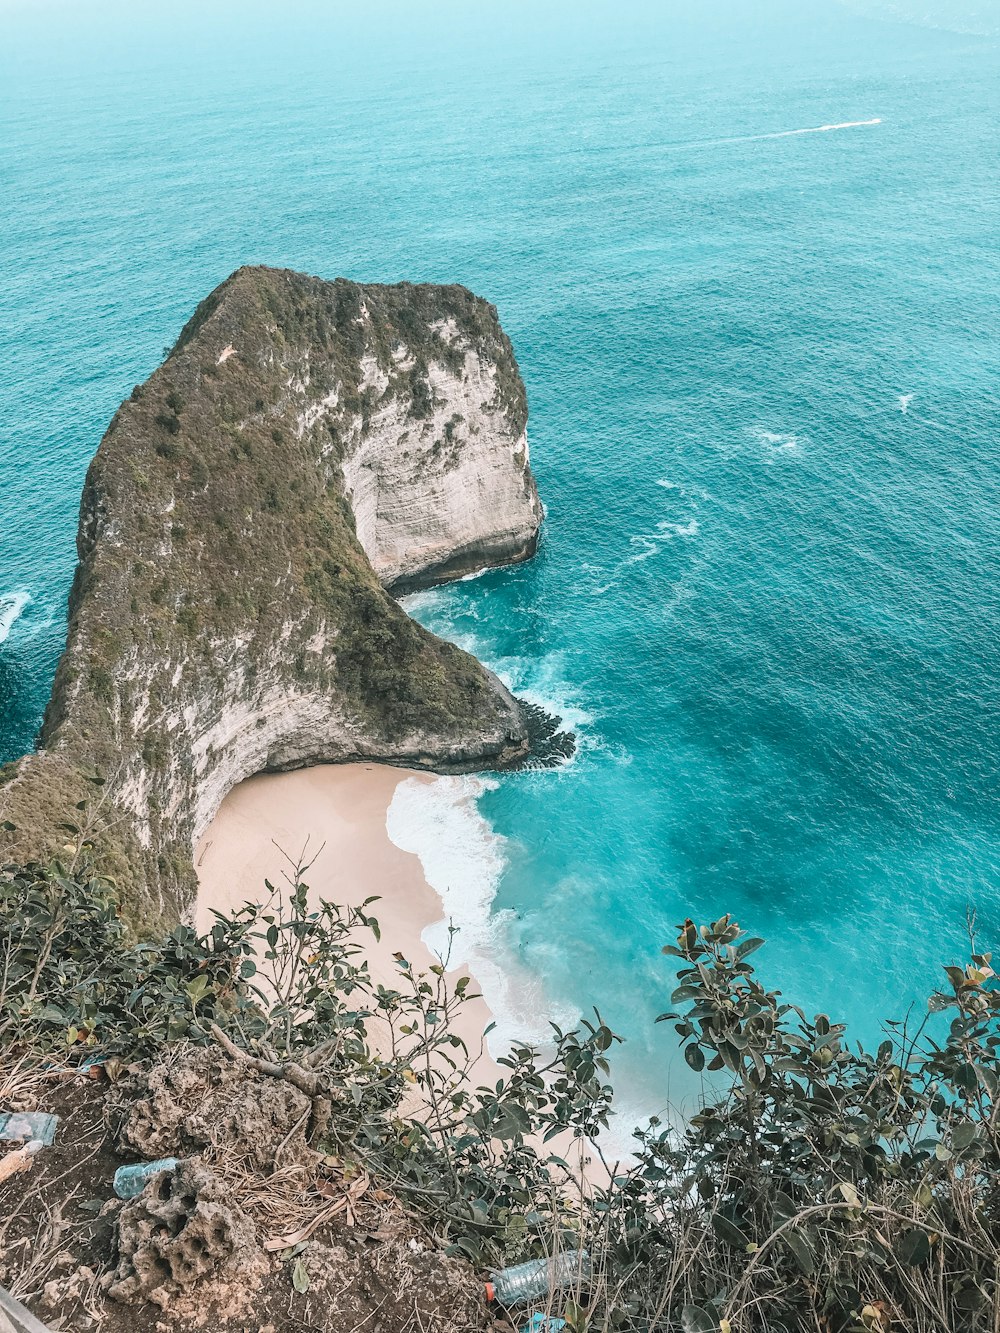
[762,371]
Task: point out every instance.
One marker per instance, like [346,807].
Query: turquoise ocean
[763,366]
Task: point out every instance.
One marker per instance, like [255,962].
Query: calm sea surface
[763,370]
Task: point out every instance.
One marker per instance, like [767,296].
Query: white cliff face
[447,495]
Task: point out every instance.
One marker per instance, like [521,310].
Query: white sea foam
[537,680]
[668,485]
[421,603]
[649,544]
[668,530]
[649,547]
[462,857]
[542,681]
[905,399]
[776,442]
[11,606]
[463,860]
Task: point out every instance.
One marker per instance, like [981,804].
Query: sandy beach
[335,816]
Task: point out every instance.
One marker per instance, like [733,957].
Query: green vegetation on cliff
[256,508]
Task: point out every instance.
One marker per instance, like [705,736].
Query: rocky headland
[307,449]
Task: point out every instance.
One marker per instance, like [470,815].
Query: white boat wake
[759,138]
[687,147]
[788,134]
[822,129]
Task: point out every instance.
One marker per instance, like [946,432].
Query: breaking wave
[463,860]
[11,606]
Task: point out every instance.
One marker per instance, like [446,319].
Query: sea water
[748,258]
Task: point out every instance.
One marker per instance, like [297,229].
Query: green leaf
[695,1057]
[729,1232]
[802,1250]
[300,1277]
[912,1247]
[784,1207]
[987,1077]
[924,1196]
[747,947]
[964,1136]
[696,1319]
[196,988]
[849,1193]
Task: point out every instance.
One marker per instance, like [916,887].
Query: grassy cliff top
[206,510]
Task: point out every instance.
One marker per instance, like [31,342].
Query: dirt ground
[239,1237]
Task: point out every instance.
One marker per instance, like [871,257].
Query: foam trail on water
[812,129]
[11,606]
[773,134]
[667,147]
[774,442]
[463,860]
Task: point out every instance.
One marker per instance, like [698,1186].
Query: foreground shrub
[72,980]
[817,1186]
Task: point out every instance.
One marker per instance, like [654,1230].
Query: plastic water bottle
[526,1282]
[23,1126]
[130,1181]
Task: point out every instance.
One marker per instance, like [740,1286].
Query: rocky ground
[253,1230]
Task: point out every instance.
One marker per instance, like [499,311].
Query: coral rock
[197,1099]
[181,1230]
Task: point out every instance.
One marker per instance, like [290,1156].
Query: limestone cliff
[305,447]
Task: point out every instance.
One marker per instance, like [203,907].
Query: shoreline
[335,816]
[344,816]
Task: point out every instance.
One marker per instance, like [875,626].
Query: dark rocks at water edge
[548,747]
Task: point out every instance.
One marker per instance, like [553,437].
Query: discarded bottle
[526,1282]
[130,1181]
[32,1126]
